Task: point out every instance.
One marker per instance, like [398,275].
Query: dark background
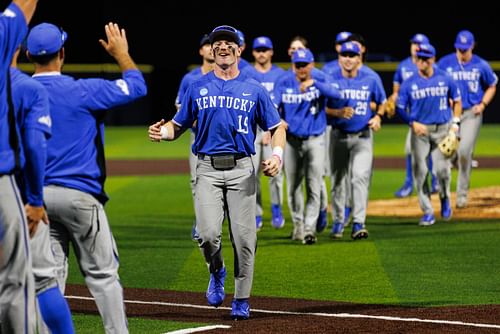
[165,34]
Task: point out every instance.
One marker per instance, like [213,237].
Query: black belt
[237,156]
[360,134]
[223,161]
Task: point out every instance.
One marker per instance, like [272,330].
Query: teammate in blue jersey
[477,83]
[363,70]
[31,104]
[333,65]
[207,65]
[434,104]
[75,173]
[300,42]
[267,73]
[406,69]
[301,99]
[227,105]
[353,120]
[17,290]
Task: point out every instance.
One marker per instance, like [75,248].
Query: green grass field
[453,263]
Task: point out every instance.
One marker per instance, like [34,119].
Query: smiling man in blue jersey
[301,99]
[75,174]
[353,122]
[406,69]
[477,83]
[427,95]
[17,290]
[227,105]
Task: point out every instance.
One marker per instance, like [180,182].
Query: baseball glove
[449,144]
[390,108]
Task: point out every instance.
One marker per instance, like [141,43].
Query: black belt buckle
[223,162]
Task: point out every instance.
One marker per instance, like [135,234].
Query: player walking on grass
[267,73]
[75,174]
[432,98]
[227,105]
[17,290]
[353,122]
[31,103]
[301,99]
[406,69]
[477,83]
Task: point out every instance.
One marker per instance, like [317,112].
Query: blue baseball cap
[464,40]
[342,37]
[426,50]
[241,37]
[224,32]
[350,47]
[45,38]
[262,42]
[204,40]
[419,39]
[302,56]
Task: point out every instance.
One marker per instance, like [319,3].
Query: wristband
[164,132]
[456,120]
[278,152]
[484,104]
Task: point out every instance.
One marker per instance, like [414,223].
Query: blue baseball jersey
[406,69]
[31,103]
[427,98]
[77,107]
[304,111]
[473,78]
[357,93]
[227,113]
[316,74]
[269,78]
[13,28]
[331,67]
[187,80]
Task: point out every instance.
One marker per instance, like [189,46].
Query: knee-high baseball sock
[55,311]
[429,166]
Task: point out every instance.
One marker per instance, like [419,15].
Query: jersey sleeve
[101,94]
[38,115]
[268,117]
[187,114]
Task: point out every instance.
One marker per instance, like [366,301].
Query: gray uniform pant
[324,192]
[17,289]
[264,152]
[421,147]
[232,190]
[469,131]
[351,164]
[305,158]
[78,218]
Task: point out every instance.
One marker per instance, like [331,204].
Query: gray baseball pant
[232,190]
[421,147]
[17,287]
[79,218]
[351,164]
[470,125]
[305,158]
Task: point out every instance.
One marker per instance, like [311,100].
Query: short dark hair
[43,59]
